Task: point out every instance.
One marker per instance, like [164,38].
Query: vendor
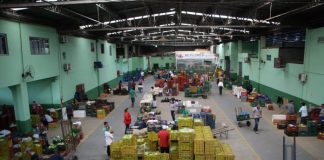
[47,119]
[164,137]
[37,108]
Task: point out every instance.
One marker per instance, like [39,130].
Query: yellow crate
[199,157]
[185,155]
[185,146]
[129,150]
[101,114]
[198,122]
[152,145]
[130,157]
[116,145]
[152,155]
[186,134]
[53,125]
[36,120]
[152,136]
[199,146]
[129,140]
[164,156]
[174,135]
[228,153]
[185,122]
[37,148]
[210,146]
[174,156]
[210,157]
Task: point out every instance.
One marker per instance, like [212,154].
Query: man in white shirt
[173,109]
[257,114]
[220,86]
[304,113]
[109,139]
[48,118]
[142,75]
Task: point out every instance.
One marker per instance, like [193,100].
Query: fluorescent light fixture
[229,17]
[18,9]
[46,1]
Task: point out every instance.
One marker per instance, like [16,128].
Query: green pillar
[21,104]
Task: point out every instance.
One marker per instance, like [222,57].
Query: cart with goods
[242,116]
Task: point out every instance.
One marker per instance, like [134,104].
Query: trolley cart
[71,141]
[242,116]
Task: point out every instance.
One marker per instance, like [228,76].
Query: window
[102,48]
[92,45]
[3,45]
[39,46]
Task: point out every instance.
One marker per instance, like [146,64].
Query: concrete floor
[246,144]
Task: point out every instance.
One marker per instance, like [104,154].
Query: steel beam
[190,36]
[187,27]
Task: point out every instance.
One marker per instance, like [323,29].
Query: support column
[21,105]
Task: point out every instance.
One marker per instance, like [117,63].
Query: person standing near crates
[127,119]
[173,109]
[164,138]
[108,139]
[256,114]
[304,113]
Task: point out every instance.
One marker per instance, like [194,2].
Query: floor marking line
[240,134]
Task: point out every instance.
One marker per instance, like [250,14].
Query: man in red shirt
[164,137]
[127,119]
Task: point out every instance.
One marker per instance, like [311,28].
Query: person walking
[120,84]
[173,109]
[164,137]
[132,96]
[127,119]
[304,113]
[290,108]
[220,86]
[108,139]
[256,114]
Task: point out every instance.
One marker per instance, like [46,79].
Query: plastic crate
[129,150]
[152,136]
[174,135]
[199,157]
[199,146]
[185,146]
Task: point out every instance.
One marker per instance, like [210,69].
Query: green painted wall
[228,49]
[50,82]
[314,67]
[162,61]
[284,82]
[6,96]
[41,91]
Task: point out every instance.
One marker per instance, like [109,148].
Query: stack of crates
[174,152]
[185,122]
[152,141]
[199,143]
[129,147]
[185,145]
[224,152]
[210,143]
[115,150]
